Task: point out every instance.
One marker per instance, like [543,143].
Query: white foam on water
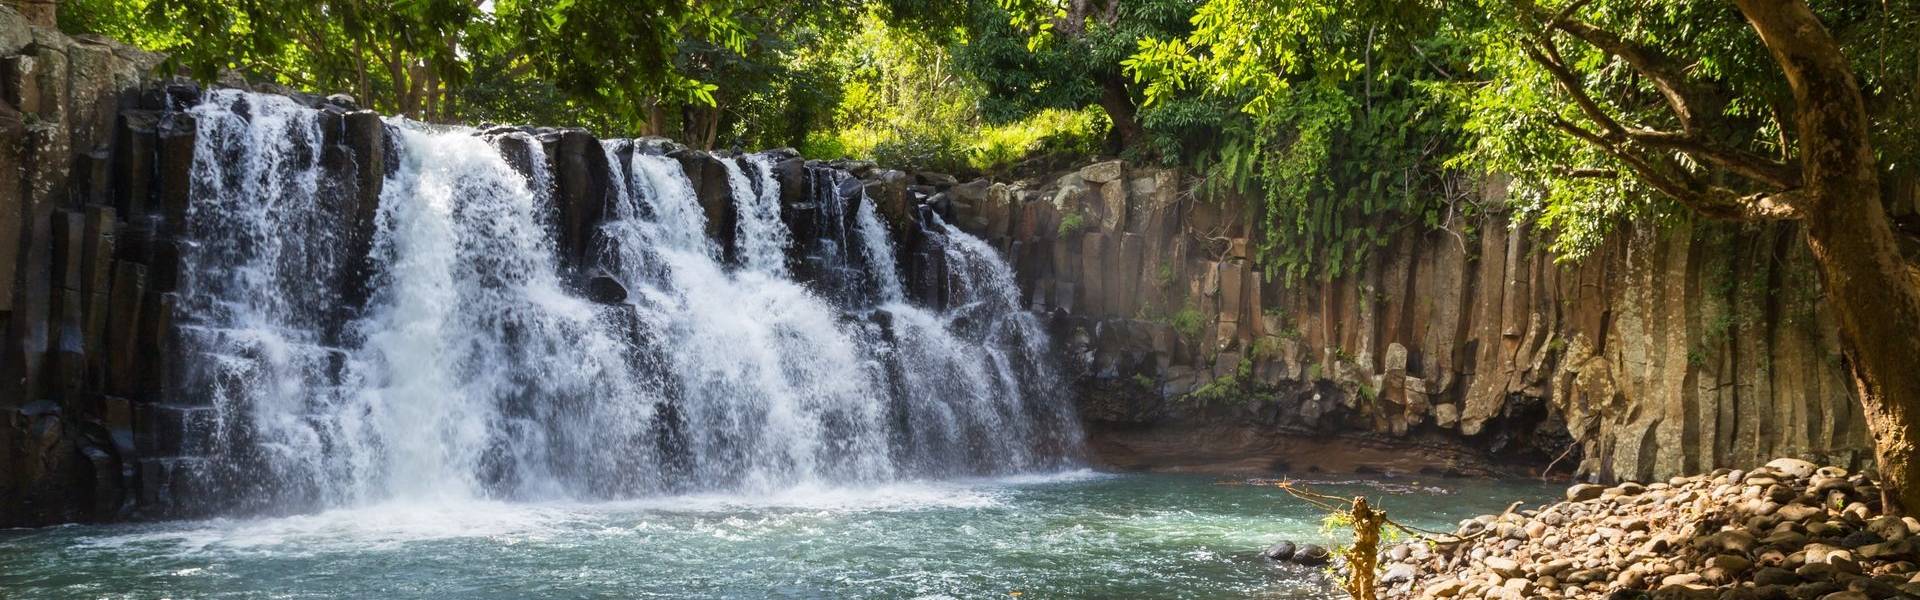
[1045,478]
[905,496]
[392,525]
[378,527]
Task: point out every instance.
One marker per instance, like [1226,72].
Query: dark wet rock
[1775,576]
[1312,555]
[936,181]
[605,289]
[344,101]
[1283,550]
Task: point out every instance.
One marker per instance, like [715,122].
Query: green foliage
[400,56]
[933,151]
[1341,355]
[1037,55]
[908,102]
[1165,276]
[900,104]
[618,58]
[1266,348]
[1522,117]
[123,20]
[1188,322]
[1333,125]
[1355,120]
[1184,131]
[560,61]
[1024,74]
[1050,131]
[1071,224]
[1230,387]
[1340,130]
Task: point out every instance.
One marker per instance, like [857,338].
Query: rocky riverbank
[1787,530]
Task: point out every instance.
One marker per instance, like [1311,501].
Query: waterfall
[763,238]
[878,245]
[261,246]
[478,367]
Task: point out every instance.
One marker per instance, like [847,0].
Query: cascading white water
[877,244]
[762,237]
[475,369]
[772,388]
[482,370]
[259,237]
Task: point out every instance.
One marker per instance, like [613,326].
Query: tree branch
[1743,163]
[1647,152]
[1715,202]
[1721,203]
[1688,101]
[1656,177]
[1587,173]
[1547,57]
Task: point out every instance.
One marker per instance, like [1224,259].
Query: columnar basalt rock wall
[1671,350]
[84,265]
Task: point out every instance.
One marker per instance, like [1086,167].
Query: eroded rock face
[83,301]
[1667,352]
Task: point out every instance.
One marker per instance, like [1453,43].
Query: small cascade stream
[488,362]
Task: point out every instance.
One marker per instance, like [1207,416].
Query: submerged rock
[1280,551]
[1312,555]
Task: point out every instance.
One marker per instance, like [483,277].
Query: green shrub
[826,146]
[1165,276]
[919,151]
[1188,323]
[1072,224]
[1078,132]
[1266,348]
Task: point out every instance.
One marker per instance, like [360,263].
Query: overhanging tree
[1719,132]
[1601,110]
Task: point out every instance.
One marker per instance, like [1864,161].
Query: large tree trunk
[1118,102]
[656,124]
[700,125]
[1867,282]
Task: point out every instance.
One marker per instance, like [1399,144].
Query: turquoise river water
[1071,535]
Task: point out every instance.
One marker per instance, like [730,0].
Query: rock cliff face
[1672,350]
[83,264]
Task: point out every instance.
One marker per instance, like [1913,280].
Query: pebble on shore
[1789,530]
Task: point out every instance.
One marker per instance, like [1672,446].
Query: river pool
[1070,535]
